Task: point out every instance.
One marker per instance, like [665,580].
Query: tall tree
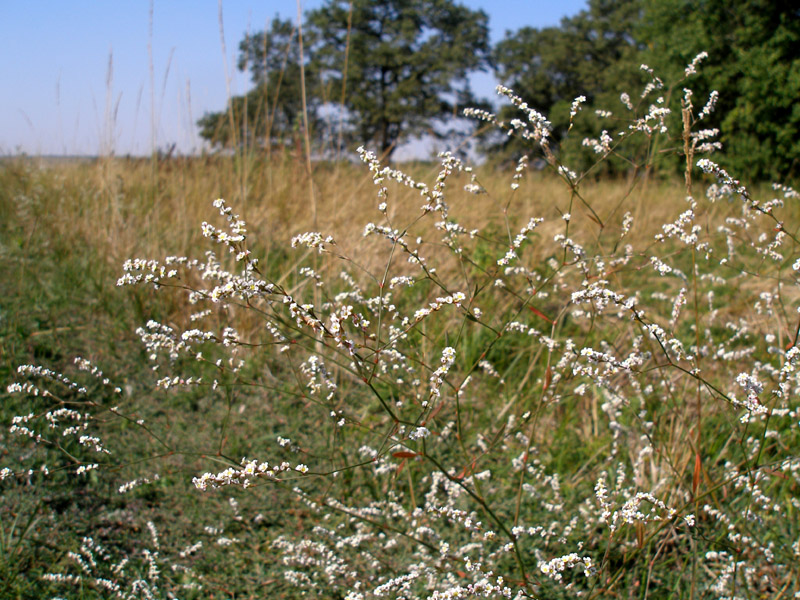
[403,63]
[592,54]
[754,64]
[407,63]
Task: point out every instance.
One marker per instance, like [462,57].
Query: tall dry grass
[113,206]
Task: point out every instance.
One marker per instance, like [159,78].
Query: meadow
[362,382]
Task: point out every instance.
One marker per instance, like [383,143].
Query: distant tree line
[379,73]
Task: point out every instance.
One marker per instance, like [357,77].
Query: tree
[403,63]
[407,63]
[272,110]
[753,63]
[592,54]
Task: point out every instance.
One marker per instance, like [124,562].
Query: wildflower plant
[582,414]
[94,567]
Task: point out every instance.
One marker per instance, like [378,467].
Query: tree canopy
[402,63]
[387,71]
[407,64]
[753,64]
[592,54]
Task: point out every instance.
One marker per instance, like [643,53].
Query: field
[515,382]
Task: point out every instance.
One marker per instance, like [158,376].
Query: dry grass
[123,208]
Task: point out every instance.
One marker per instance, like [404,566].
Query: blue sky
[56,56]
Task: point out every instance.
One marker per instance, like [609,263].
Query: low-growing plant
[602,408]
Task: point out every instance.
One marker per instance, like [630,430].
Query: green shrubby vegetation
[754,65]
[386,98]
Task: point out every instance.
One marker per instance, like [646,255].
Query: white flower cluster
[518,239]
[711,104]
[522,164]
[540,127]
[313,239]
[627,223]
[44,373]
[555,567]
[654,121]
[488,368]
[483,588]
[569,175]
[462,517]
[691,68]
[419,433]
[601,297]
[393,235]
[401,280]
[631,510]
[660,266]
[600,146]
[250,471]
[316,372]
[473,187]
[701,140]
[128,486]
[654,84]
[789,367]
[312,274]
[171,381]
[752,387]
[455,299]
[336,328]
[68,421]
[235,235]
[150,271]
[678,228]
[92,441]
[161,338]
[83,469]
[436,203]
[303,314]
[481,115]
[576,106]
[723,177]
[19,426]
[380,174]
[680,301]
[447,360]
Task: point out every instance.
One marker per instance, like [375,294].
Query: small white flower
[419,433]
